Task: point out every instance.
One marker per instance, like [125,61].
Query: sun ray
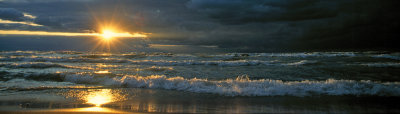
[108,35]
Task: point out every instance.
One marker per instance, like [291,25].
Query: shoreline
[88,110]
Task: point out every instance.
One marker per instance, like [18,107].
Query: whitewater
[227,74]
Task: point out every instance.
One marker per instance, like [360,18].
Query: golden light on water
[102,72]
[96,97]
[100,97]
[93,109]
[79,110]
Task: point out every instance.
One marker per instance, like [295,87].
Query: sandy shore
[90,110]
[45,112]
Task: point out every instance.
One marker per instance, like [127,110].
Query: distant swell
[242,86]
[23,84]
[382,65]
[394,57]
[302,55]
[218,63]
[159,62]
[35,65]
[61,59]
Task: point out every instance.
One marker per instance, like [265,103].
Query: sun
[109,38]
[108,34]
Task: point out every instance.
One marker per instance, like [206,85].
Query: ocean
[300,82]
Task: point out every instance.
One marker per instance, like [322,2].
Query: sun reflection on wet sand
[101,97]
[96,97]
[94,109]
[76,110]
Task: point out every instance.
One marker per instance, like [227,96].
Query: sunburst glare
[108,34]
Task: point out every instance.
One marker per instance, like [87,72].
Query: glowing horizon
[46,33]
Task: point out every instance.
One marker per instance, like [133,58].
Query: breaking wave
[243,86]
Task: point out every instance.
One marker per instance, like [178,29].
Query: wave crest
[243,86]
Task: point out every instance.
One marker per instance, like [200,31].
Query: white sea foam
[242,86]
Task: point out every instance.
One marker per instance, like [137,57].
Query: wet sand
[89,110]
[45,112]
[139,100]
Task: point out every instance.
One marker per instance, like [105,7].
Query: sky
[250,25]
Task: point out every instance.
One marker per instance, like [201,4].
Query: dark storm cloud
[56,15]
[245,11]
[364,24]
[11,14]
[306,24]
[48,21]
[247,24]
[14,15]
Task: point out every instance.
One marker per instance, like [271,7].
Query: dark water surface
[315,82]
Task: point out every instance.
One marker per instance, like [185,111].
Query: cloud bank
[255,25]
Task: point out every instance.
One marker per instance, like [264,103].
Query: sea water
[201,82]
